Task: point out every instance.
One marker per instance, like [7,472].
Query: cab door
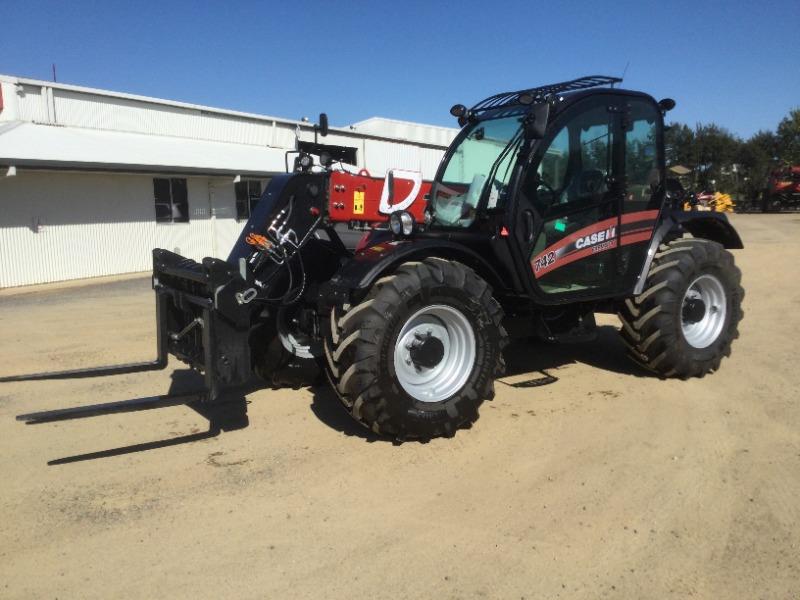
[643,193]
[567,214]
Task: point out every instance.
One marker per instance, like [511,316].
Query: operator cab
[571,176]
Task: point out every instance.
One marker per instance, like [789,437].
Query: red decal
[593,239]
[642,215]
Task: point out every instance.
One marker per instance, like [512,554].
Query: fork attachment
[108,408]
[203,319]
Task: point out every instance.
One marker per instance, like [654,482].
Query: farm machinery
[783,190]
[550,205]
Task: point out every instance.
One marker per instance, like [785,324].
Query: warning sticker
[358,202]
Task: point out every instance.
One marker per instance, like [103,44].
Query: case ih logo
[600,236]
[634,227]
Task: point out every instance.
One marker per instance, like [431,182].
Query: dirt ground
[607,483]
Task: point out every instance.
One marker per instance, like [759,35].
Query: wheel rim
[434,353]
[703,311]
[296,342]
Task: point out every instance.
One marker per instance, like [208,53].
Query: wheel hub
[426,352]
[694,309]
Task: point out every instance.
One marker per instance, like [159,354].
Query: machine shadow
[607,352]
[328,409]
[228,415]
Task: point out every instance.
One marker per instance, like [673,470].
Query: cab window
[641,157]
[574,168]
[485,153]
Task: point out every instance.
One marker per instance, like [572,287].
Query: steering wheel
[545,202]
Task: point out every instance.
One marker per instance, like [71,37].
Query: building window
[248,193]
[172,203]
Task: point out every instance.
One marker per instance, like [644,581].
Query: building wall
[58,225]
[91,225]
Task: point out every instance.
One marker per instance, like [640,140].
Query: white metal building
[92,180]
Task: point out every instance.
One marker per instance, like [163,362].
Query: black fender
[712,226]
[371,263]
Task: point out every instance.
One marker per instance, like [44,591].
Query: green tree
[788,137]
[679,146]
[756,158]
[715,151]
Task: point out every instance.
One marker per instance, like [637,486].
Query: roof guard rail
[539,93]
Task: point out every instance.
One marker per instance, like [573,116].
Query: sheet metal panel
[120,114]
[382,155]
[59,226]
[32,104]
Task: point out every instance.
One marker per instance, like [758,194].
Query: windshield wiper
[512,143]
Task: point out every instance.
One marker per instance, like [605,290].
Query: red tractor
[551,204]
[783,190]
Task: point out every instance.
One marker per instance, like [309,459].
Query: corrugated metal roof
[47,124]
[29,144]
[146,99]
[63,104]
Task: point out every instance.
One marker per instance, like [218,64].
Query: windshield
[485,156]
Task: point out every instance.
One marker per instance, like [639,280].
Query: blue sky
[735,63]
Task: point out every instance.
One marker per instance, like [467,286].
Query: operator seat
[588,187]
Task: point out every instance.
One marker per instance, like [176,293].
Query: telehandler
[550,205]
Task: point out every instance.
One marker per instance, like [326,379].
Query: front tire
[687,317]
[418,356]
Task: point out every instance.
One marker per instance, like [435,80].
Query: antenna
[625,70]
[54,73]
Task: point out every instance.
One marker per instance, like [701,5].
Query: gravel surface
[607,483]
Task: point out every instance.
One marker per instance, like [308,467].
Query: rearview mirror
[536,121]
[666,104]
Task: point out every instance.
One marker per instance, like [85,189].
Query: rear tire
[418,356]
[687,317]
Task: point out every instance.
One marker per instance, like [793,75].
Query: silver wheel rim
[452,329]
[702,330]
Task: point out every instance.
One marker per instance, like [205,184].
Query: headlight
[401,222]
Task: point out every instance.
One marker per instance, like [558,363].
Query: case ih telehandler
[549,206]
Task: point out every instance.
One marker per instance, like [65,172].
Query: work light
[401,222]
